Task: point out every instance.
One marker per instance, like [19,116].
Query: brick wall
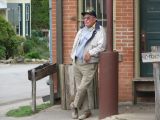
[54,30]
[125,46]
[69,28]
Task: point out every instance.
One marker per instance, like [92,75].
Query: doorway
[149,31]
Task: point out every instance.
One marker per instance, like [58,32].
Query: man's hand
[87,57]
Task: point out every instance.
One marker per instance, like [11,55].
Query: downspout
[59,31]
[59,39]
[108,71]
[50,53]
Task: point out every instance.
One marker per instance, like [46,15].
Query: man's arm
[101,43]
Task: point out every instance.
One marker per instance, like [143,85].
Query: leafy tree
[6,30]
[40,14]
[8,42]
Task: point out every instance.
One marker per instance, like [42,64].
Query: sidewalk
[126,112]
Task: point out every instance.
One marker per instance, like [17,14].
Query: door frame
[137,38]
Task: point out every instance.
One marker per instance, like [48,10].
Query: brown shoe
[85,115]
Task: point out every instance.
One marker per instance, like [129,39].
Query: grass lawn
[23,111]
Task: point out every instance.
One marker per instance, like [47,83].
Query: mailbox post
[33,91]
[38,73]
[154,58]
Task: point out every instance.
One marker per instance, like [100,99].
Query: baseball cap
[89,12]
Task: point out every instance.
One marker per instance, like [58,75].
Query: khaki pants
[84,74]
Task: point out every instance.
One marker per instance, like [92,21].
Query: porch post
[108,80]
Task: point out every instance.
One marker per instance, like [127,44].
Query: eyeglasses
[88,17]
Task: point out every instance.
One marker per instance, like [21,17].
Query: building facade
[18,13]
[136,29]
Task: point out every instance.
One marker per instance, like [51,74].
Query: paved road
[14,83]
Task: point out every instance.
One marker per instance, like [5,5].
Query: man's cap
[89,12]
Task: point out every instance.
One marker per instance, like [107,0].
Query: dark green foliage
[28,45]
[37,33]
[34,54]
[40,14]
[2,52]
[6,30]
[17,45]
[8,40]
[36,47]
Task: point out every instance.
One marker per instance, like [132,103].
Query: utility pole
[108,90]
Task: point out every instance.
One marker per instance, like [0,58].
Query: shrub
[17,45]
[28,45]
[2,52]
[33,54]
[6,34]
[34,47]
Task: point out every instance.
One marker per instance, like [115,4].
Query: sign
[151,57]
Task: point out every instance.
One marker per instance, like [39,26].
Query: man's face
[89,20]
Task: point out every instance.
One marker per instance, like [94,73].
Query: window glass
[19,26]
[27,13]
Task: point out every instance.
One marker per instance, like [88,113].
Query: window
[19,27]
[19,16]
[27,19]
[98,5]
[27,13]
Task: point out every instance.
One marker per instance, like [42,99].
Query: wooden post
[62,83]
[38,73]
[33,91]
[154,57]
[51,90]
[156,74]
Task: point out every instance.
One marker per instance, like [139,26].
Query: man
[89,42]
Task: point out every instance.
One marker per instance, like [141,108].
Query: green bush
[2,52]
[33,54]
[6,33]
[35,47]
[36,33]
[17,45]
[28,45]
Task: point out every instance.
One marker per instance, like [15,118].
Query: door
[150,31]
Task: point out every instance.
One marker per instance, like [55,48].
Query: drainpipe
[50,53]
[59,31]
[59,39]
[108,73]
